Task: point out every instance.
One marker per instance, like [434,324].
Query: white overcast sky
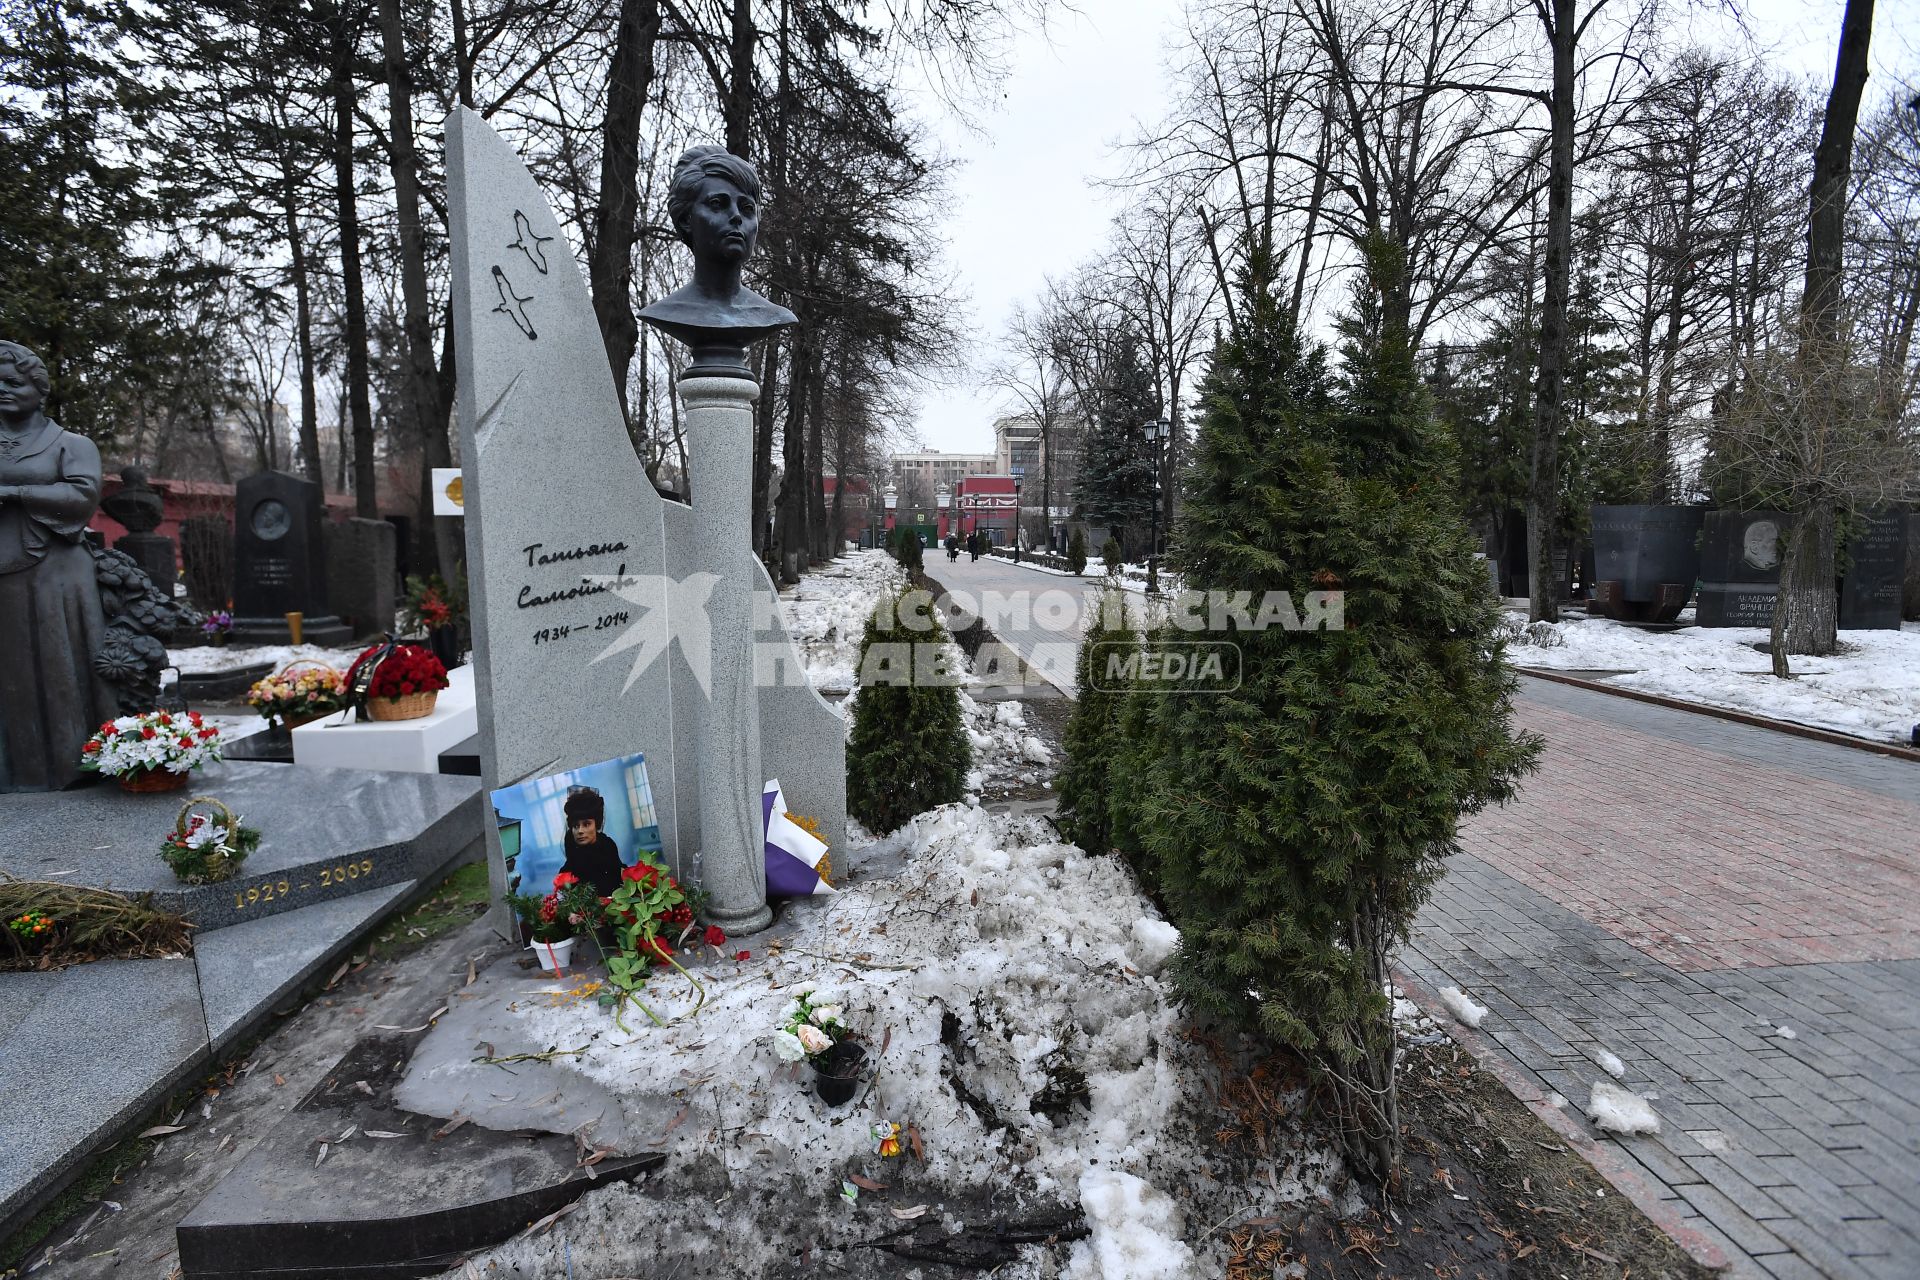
[1025,199]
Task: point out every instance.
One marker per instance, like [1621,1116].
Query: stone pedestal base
[326,630]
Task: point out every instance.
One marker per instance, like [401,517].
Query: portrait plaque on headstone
[279,561]
[1740,555]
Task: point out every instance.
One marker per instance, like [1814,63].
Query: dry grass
[89,924]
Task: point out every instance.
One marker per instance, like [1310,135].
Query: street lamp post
[1157,432]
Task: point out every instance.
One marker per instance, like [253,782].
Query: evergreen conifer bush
[1298,823]
[1092,737]
[1077,551]
[909,750]
[1110,553]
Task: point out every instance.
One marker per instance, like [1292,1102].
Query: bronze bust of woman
[51,619]
[714,203]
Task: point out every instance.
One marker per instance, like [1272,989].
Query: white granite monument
[606,619]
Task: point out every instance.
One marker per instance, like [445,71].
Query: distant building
[1020,449]
[931,469]
[988,504]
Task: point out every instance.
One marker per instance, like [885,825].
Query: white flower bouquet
[810,1025]
[155,742]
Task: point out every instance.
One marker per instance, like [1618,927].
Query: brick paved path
[1672,888]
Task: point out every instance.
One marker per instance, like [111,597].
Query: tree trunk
[303,340]
[790,527]
[1806,610]
[738,108]
[1543,494]
[617,210]
[433,541]
[1832,162]
[366,501]
[817,468]
[763,443]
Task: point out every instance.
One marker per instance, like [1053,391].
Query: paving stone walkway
[1674,889]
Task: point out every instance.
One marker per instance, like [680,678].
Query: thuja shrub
[1077,551]
[1297,823]
[1092,737]
[908,751]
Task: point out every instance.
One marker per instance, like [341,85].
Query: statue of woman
[51,621]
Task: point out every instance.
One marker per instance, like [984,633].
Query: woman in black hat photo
[591,853]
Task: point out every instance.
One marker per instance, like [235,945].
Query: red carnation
[715,935]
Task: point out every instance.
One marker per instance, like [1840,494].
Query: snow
[1462,1007]
[1619,1110]
[826,614]
[207,659]
[1611,1064]
[976,957]
[1136,1231]
[1154,942]
[1786,1033]
[1871,689]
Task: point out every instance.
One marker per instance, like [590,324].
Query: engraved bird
[528,242]
[512,305]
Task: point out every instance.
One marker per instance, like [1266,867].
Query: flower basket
[301,691]
[153,751]
[410,706]
[206,848]
[398,681]
[150,781]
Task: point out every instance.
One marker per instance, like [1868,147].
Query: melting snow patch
[1153,942]
[1462,1007]
[1136,1231]
[1611,1064]
[1786,1033]
[1618,1110]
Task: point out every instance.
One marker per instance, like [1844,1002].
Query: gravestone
[1646,559]
[1910,606]
[279,562]
[140,510]
[597,611]
[1876,573]
[361,571]
[1740,556]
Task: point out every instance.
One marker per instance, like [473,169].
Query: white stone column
[733,865]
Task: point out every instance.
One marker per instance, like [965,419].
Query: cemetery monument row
[83,630]
[606,619]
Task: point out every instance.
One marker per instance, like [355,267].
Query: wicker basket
[148,781]
[290,723]
[409,706]
[218,869]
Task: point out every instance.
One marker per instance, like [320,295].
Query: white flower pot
[553,956]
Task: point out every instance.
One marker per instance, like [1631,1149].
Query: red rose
[715,935]
[148,731]
[564,879]
[634,875]
[107,728]
[165,718]
[93,746]
[209,732]
[743,955]
[194,716]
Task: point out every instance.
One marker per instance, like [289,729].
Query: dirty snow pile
[1007,985]
[1006,752]
[826,614]
[1870,689]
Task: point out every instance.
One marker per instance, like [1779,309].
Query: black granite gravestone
[1876,568]
[1740,555]
[279,562]
[1646,560]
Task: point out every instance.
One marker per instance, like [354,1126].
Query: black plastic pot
[836,1073]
